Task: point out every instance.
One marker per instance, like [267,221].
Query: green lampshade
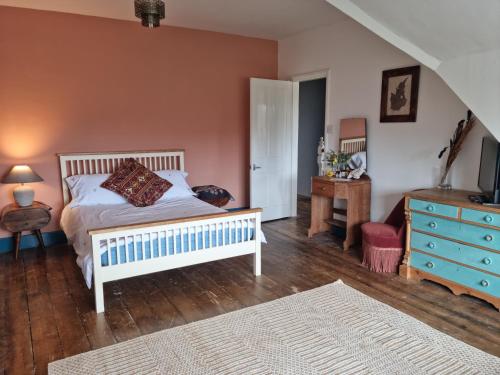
[21,174]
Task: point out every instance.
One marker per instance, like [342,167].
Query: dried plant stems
[464,127]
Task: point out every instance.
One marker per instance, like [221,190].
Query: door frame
[311,76]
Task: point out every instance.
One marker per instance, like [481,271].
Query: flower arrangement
[343,158]
[339,158]
[338,161]
[463,129]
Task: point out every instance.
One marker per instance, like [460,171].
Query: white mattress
[77,221]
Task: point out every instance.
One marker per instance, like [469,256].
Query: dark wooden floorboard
[74,339]
[46,341]
[96,326]
[18,329]
[47,312]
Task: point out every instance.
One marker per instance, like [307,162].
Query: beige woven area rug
[333,329]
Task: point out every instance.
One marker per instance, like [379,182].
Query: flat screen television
[489,170]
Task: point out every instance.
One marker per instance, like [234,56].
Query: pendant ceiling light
[150,12]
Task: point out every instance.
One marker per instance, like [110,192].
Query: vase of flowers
[343,159]
[463,129]
[337,162]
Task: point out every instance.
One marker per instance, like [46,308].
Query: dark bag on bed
[214,195]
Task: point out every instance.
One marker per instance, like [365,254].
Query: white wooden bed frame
[94,163]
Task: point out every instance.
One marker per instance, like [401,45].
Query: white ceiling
[445,28]
[269,19]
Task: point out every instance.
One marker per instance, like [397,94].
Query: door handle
[254,167]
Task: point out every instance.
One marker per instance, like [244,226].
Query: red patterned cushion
[136,183]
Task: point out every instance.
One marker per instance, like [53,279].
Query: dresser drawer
[482,259]
[435,225]
[472,234]
[474,279]
[323,188]
[481,217]
[434,208]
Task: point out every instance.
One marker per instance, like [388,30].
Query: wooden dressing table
[357,193]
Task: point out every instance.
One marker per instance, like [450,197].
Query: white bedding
[76,221]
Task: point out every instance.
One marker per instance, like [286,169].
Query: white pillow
[86,190]
[180,188]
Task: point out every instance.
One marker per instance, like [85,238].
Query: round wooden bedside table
[17,219]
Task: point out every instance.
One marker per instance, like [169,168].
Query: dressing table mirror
[353,141]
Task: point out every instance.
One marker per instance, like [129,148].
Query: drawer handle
[429,265]
[488,218]
[487,261]
[323,188]
[431,245]
[488,237]
[430,208]
[433,224]
[485,283]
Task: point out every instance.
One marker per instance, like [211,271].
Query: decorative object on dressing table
[321,158]
[338,164]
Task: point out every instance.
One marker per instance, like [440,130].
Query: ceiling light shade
[150,12]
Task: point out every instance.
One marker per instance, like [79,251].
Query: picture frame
[399,98]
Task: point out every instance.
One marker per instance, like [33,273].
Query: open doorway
[312,112]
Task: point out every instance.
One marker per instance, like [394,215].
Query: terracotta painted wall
[72,83]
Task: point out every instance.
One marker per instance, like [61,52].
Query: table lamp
[22,174]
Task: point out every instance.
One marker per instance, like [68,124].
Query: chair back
[397,216]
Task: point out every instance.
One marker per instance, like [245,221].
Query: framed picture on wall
[400,94]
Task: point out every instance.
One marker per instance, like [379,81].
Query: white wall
[466,54]
[401,156]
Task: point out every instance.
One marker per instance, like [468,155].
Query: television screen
[489,167]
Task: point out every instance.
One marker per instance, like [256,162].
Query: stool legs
[17,241]
[40,238]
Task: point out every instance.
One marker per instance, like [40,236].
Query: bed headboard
[106,162]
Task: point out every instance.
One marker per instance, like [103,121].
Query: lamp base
[23,195]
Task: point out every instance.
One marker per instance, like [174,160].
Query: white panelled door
[273,147]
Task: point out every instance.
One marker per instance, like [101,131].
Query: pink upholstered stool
[383,242]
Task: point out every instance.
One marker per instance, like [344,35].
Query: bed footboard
[139,249]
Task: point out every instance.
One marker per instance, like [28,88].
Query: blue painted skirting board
[29,241]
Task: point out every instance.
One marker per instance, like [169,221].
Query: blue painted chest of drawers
[453,242]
